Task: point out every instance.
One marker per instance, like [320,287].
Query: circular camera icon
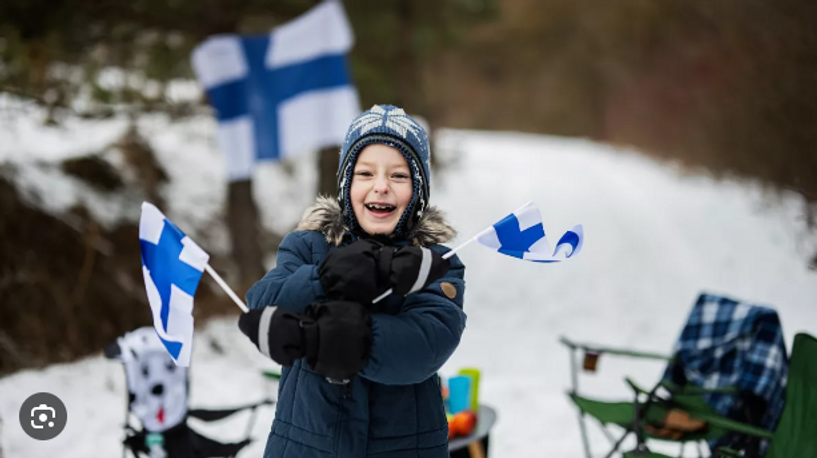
[43,416]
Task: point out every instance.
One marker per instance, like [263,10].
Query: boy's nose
[381,185]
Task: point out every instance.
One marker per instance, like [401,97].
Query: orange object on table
[461,424]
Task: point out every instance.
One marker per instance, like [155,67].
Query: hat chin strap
[412,215]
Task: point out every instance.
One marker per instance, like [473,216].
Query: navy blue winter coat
[394,407]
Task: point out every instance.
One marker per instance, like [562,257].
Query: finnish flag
[522,235]
[280,94]
[172,265]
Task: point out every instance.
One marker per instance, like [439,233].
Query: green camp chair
[796,434]
[649,408]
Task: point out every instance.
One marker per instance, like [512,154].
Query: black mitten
[413,268]
[351,273]
[344,336]
[334,336]
[280,334]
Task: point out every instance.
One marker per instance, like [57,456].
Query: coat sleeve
[411,346]
[293,283]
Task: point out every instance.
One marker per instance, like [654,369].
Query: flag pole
[463,245]
[226,288]
[445,256]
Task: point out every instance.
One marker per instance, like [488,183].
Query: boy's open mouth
[380,209]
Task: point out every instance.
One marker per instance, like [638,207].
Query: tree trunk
[242,221]
[328,163]
[407,78]
[412,93]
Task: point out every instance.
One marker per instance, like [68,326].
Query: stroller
[725,384]
[158,398]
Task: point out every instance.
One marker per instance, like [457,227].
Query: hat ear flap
[414,213]
[344,184]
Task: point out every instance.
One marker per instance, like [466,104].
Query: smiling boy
[359,379]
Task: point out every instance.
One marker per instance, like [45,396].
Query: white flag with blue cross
[522,235]
[172,265]
[283,93]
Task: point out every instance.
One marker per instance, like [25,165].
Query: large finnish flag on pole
[522,235]
[172,265]
[280,94]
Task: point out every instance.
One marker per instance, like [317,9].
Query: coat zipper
[347,390]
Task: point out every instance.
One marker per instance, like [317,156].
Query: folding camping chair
[157,397]
[737,348]
[794,436]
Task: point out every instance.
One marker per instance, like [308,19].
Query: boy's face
[381,188]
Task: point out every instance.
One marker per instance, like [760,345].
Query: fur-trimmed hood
[325,216]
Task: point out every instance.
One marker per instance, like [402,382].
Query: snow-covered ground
[655,238]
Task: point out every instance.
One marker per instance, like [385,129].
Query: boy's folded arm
[293,283]
[413,345]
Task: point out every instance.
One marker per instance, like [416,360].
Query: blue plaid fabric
[730,343]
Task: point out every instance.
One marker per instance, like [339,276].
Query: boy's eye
[400,176]
[363,173]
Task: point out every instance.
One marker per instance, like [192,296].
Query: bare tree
[242,221]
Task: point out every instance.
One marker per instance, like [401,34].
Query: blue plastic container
[459,394]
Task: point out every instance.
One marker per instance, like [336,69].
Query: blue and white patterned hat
[388,125]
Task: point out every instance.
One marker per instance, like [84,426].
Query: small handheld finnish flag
[522,235]
[172,264]
[283,93]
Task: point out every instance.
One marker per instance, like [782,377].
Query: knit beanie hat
[391,126]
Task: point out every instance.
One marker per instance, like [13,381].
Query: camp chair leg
[574,381]
[127,423]
[617,445]
[608,434]
[251,423]
[585,442]
[639,433]
[639,413]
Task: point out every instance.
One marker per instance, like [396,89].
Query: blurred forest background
[727,87]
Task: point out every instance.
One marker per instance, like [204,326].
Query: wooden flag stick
[226,288]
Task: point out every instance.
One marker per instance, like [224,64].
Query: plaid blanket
[730,343]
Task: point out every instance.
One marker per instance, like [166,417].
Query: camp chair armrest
[726,452]
[612,351]
[731,425]
[638,390]
[218,414]
[697,390]
[685,389]
[275,375]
